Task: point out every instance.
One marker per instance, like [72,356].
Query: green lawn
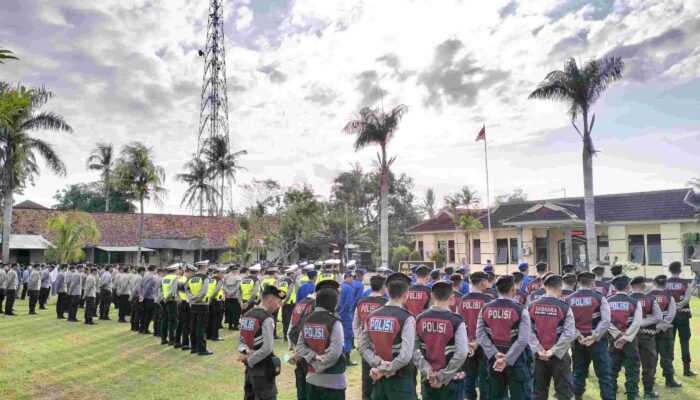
[45,358]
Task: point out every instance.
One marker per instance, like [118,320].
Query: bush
[439,259]
[398,254]
[415,256]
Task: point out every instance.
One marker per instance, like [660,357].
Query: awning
[114,249]
[182,244]
[31,242]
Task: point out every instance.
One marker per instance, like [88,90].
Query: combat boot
[687,371]
[671,383]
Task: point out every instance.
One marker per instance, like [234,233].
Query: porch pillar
[520,244]
[567,245]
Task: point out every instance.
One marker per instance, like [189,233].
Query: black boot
[671,383]
[687,371]
[650,394]
[348,361]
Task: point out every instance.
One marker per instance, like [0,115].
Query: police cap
[638,280]
[272,290]
[523,266]
[328,284]
[616,269]
[398,276]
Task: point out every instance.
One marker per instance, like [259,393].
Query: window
[654,249]
[541,253]
[420,249]
[177,254]
[636,248]
[501,251]
[451,247]
[477,251]
[513,251]
[603,250]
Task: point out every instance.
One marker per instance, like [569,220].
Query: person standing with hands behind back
[256,346]
[503,331]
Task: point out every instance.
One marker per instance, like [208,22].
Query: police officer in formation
[89,294]
[365,307]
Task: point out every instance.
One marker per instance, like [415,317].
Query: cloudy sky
[127,70]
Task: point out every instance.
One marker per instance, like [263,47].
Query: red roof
[442,221]
[122,229]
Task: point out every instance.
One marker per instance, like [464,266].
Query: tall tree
[200,191]
[102,159]
[89,197]
[69,233]
[579,88]
[20,114]
[515,197]
[6,55]
[428,205]
[373,126]
[242,248]
[223,165]
[137,173]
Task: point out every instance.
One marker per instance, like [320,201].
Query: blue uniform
[345,312]
[526,279]
[305,290]
[465,288]
[358,288]
[366,293]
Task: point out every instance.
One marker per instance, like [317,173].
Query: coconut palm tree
[223,165]
[374,126]
[102,159]
[428,205]
[579,88]
[69,233]
[20,114]
[199,191]
[242,248]
[137,173]
[6,55]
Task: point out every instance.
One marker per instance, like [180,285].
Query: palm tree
[428,205]
[373,126]
[580,89]
[6,55]
[68,233]
[200,240]
[19,115]
[199,191]
[137,174]
[242,248]
[223,165]
[102,159]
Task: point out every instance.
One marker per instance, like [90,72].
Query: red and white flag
[482,134]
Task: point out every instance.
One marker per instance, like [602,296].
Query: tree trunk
[589,203]
[384,210]
[7,205]
[138,254]
[221,211]
[106,194]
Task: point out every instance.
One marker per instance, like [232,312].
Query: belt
[649,332]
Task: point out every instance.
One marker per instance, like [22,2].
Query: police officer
[89,293]
[288,284]
[503,330]
[34,287]
[491,289]
[553,330]
[197,289]
[568,269]
[309,286]
[3,274]
[256,346]
[301,310]
[158,300]
[345,313]
[434,277]
[105,288]
[322,346]
[231,293]
[387,344]
[523,268]
[358,285]
[569,288]
[456,281]
[147,298]
[601,286]
[681,290]
[250,287]
[182,332]
[664,333]
[168,321]
[135,298]
[441,347]
[62,290]
[419,293]
[122,289]
[539,292]
[364,308]
[11,282]
[537,282]
[45,289]
[592,318]
[626,319]
[270,277]
[215,296]
[75,290]
[327,273]
[646,338]
[520,294]
[470,305]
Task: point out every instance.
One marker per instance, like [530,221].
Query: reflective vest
[367,305]
[166,283]
[622,309]
[291,296]
[469,307]
[181,282]
[326,276]
[547,316]
[502,322]
[195,284]
[585,304]
[316,330]
[676,287]
[210,290]
[303,279]
[268,281]
[384,327]
[247,286]
[418,299]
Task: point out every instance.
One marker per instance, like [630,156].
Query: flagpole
[488,194]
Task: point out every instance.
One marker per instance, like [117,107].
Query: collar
[393,303]
[473,289]
[500,296]
[436,308]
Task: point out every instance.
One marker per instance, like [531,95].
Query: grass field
[45,358]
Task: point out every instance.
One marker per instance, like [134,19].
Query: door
[578,250]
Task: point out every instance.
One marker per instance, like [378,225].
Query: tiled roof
[122,229]
[443,221]
[29,204]
[662,205]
